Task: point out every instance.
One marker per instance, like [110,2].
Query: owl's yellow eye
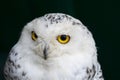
[34,36]
[63,39]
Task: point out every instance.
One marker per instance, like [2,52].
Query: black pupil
[63,37]
[35,35]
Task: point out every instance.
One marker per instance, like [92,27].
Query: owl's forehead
[54,18]
[48,28]
[54,23]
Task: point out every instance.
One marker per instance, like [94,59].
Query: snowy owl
[55,46]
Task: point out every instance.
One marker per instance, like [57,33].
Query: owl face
[55,35]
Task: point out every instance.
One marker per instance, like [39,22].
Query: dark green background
[101,16]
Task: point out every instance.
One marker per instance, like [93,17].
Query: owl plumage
[55,46]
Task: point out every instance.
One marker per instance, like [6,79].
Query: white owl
[55,46]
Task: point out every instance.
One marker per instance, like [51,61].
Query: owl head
[56,34]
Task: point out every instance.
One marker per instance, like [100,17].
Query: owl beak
[45,53]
